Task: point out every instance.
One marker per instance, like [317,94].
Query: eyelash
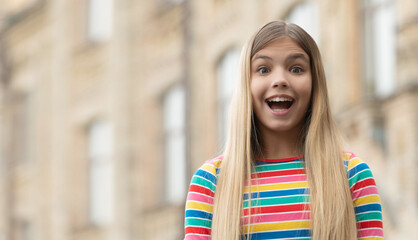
[299,70]
[263,68]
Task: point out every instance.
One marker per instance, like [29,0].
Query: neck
[277,145]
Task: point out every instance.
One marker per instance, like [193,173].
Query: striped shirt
[280,200]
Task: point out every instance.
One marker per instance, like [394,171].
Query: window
[227,77]
[100,20]
[20,130]
[25,230]
[305,15]
[379,47]
[100,150]
[175,144]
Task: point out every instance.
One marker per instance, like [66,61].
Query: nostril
[284,85]
[281,83]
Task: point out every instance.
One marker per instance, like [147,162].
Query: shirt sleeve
[367,206]
[199,204]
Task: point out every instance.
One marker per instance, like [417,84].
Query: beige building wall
[56,82]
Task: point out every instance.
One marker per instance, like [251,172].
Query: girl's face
[281,85]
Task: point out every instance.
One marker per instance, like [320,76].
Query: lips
[280,103]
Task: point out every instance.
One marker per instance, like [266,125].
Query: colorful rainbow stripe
[280,200]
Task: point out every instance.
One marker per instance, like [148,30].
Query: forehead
[281,47]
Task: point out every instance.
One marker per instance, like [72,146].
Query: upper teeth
[279,99]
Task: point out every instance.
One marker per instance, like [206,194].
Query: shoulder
[214,162]
[210,169]
[358,171]
[354,163]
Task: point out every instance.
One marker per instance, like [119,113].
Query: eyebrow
[258,56]
[297,56]
[289,58]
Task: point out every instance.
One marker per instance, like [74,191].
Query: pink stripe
[284,179]
[265,218]
[199,198]
[370,232]
[196,237]
[371,190]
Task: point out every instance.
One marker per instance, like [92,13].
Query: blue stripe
[281,234]
[207,175]
[198,214]
[346,167]
[360,167]
[368,208]
[277,193]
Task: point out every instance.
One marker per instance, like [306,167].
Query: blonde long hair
[331,206]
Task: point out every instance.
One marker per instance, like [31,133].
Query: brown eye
[296,70]
[263,70]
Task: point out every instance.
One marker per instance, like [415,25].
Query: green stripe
[198,222]
[369,216]
[360,176]
[279,166]
[277,201]
[203,182]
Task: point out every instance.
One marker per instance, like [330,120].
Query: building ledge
[13,19]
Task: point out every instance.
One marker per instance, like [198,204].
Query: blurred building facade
[108,107]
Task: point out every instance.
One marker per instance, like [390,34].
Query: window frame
[100,20]
[174,134]
[379,52]
[297,15]
[99,163]
[227,67]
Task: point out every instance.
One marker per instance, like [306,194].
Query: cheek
[305,87]
[308,91]
[256,96]
[256,89]
[308,94]
[304,90]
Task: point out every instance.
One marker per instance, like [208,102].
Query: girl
[283,174]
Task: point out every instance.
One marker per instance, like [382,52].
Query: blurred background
[107,107]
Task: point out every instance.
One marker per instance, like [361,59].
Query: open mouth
[279,104]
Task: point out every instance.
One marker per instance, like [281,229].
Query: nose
[280,80]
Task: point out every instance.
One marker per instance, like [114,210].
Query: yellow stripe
[353,162]
[217,162]
[277,226]
[367,199]
[199,206]
[212,168]
[209,168]
[347,156]
[279,186]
